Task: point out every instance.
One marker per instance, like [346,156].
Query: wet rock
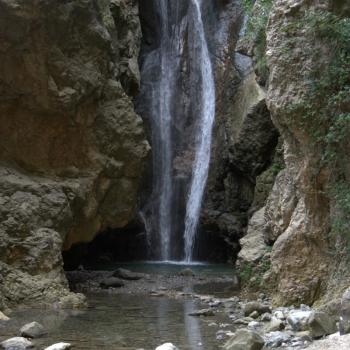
[186,273]
[202,312]
[321,324]
[276,339]
[244,339]
[344,324]
[167,346]
[111,282]
[274,325]
[3,317]
[17,343]
[298,319]
[59,346]
[252,306]
[128,275]
[32,330]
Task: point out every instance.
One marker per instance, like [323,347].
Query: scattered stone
[321,324]
[17,343]
[244,321]
[111,282]
[215,303]
[128,275]
[32,330]
[3,317]
[59,346]
[252,306]
[274,325]
[276,339]
[254,314]
[298,320]
[167,346]
[244,339]
[253,324]
[202,312]
[186,273]
[279,315]
[266,317]
[344,324]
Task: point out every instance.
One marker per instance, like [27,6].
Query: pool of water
[168,268]
[120,322]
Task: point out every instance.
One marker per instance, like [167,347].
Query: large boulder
[17,343]
[32,330]
[321,324]
[245,339]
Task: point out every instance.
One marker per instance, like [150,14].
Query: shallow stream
[131,321]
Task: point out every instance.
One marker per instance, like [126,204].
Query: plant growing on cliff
[325,108]
[255,33]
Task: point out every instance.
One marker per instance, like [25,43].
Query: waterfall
[204,134]
[165,147]
[178,97]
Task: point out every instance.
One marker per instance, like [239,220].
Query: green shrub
[258,14]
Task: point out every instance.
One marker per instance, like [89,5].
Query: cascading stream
[204,135]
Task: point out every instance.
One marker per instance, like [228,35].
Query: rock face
[72,148]
[298,210]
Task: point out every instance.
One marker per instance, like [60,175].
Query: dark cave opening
[130,244]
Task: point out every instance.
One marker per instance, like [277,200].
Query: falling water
[204,134]
[164,114]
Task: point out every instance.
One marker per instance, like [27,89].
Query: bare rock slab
[17,343]
[245,340]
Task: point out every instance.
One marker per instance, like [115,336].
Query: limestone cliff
[306,219]
[72,148]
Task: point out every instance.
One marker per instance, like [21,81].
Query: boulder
[276,339]
[298,319]
[32,330]
[17,343]
[127,275]
[252,306]
[167,346]
[111,282]
[59,346]
[321,324]
[244,339]
[274,325]
[3,317]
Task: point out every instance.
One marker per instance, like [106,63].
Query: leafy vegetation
[255,34]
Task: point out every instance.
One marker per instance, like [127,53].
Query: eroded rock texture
[298,209]
[72,148]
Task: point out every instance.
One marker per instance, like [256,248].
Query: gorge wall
[72,149]
[305,219]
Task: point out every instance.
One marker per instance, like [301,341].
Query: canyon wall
[305,221]
[72,149]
